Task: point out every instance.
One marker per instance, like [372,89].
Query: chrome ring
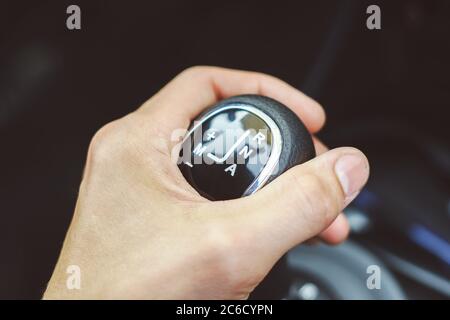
[277,143]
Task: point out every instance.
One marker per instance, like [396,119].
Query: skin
[140,231]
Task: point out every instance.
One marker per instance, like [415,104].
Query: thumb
[303,201]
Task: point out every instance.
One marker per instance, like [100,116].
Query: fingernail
[352,171]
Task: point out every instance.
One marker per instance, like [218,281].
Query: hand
[141,231]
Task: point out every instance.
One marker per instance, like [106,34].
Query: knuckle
[100,139]
[107,142]
[195,71]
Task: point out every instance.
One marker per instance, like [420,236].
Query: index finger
[196,88]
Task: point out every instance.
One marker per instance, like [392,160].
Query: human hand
[141,231]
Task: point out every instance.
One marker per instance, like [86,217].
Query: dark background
[384,91]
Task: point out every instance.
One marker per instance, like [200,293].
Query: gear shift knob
[240,144]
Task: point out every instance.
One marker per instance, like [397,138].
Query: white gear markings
[233,147]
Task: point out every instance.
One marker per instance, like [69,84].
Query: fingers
[304,201]
[196,88]
[334,234]
[337,231]
[319,146]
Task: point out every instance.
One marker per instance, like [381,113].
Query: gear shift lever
[240,144]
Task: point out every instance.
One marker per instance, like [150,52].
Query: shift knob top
[240,144]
